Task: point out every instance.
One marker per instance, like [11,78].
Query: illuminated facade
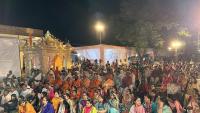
[45,53]
[25,48]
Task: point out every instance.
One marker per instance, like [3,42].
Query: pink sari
[138,109]
[51,93]
[87,109]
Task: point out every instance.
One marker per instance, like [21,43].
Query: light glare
[176,44]
[99,27]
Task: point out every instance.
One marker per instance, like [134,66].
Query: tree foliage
[150,23]
[140,35]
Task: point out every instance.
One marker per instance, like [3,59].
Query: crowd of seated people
[92,87]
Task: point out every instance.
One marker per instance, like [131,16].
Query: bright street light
[99,27]
[176,44]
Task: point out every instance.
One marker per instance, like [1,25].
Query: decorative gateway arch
[45,53]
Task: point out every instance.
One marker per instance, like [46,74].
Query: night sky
[74,20]
[67,19]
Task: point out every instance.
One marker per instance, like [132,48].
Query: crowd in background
[118,87]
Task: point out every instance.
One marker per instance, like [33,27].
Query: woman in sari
[47,106]
[138,107]
[163,105]
[56,101]
[95,83]
[89,108]
[58,81]
[67,85]
[82,102]
[34,100]
[101,106]
[25,107]
[50,92]
[192,106]
[108,83]
[64,107]
[77,82]
[85,82]
[113,103]
[51,76]
[71,103]
[175,104]
[127,100]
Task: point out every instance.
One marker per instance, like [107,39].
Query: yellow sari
[55,102]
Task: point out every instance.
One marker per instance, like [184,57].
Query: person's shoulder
[29,105]
[144,105]
[94,110]
[132,108]
[154,104]
[16,91]
[49,105]
[167,109]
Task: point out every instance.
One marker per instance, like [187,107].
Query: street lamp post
[198,41]
[100,36]
[100,27]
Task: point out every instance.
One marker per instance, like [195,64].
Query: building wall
[9,56]
[105,52]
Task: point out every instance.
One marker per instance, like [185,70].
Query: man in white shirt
[25,90]
[5,97]
[14,91]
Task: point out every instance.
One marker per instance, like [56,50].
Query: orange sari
[108,84]
[95,83]
[77,83]
[27,109]
[21,109]
[86,83]
[66,85]
[51,80]
[58,81]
